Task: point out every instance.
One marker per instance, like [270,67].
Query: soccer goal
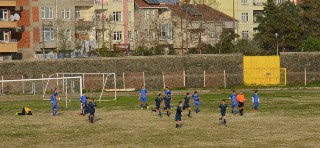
[33,87]
[94,83]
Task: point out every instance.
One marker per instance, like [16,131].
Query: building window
[117,35]
[68,14]
[3,15]
[245,17]
[68,35]
[129,16]
[117,16]
[77,14]
[4,36]
[245,34]
[278,2]
[48,34]
[165,32]
[63,14]
[46,13]
[151,12]
[129,35]
[244,2]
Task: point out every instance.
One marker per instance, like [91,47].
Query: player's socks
[176,125]
[168,113]
[189,114]
[160,113]
[224,121]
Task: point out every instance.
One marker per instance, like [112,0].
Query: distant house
[178,26]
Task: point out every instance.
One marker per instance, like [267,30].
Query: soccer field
[286,119]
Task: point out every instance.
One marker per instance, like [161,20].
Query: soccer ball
[59,98]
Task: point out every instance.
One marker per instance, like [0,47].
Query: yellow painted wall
[261,70]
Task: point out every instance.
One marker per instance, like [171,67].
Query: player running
[255,101]
[83,101]
[92,109]
[178,115]
[196,100]
[167,91]
[157,103]
[186,103]
[241,100]
[234,103]
[143,97]
[53,99]
[167,100]
[223,109]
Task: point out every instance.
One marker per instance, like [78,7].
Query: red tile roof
[144,4]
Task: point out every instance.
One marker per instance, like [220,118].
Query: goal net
[101,86]
[33,89]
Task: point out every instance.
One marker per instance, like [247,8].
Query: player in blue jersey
[223,109]
[83,101]
[54,103]
[186,103]
[167,100]
[56,92]
[255,101]
[167,91]
[157,103]
[143,97]
[178,115]
[92,109]
[234,103]
[196,100]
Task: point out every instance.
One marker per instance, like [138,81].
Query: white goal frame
[104,77]
[58,78]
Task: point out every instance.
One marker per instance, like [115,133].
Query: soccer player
[255,101]
[56,92]
[54,104]
[186,103]
[92,109]
[178,115]
[223,109]
[196,100]
[143,97]
[167,100]
[87,107]
[234,103]
[157,103]
[83,101]
[167,91]
[241,100]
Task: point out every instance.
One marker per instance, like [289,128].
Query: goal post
[92,82]
[42,79]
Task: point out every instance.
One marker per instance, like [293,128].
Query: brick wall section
[152,66]
[297,62]
[24,42]
[25,19]
[36,35]
[22,2]
[35,14]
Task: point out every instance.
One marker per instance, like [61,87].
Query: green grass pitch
[286,119]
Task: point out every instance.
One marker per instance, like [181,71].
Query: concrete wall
[296,64]
[171,66]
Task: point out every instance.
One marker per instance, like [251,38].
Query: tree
[226,38]
[310,15]
[311,44]
[282,19]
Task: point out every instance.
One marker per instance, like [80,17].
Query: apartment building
[178,26]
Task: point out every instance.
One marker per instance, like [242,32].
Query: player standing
[186,103]
[157,103]
[223,109]
[234,103]
[196,100]
[92,109]
[83,101]
[143,97]
[178,115]
[255,101]
[241,100]
[54,104]
[167,100]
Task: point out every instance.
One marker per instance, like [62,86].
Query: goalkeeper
[25,111]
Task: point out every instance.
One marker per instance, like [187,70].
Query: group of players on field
[87,105]
[237,102]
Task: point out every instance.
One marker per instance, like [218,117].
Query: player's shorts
[223,113]
[91,112]
[256,105]
[234,105]
[143,99]
[157,107]
[197,103]
[240,104]
[178,117]
[185,106]
[83,106]
[54,107]
[168,106]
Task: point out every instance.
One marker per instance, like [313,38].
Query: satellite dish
[16,16]
[11,18]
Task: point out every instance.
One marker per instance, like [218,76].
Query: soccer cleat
[16,113]
[141,108]
[147,107]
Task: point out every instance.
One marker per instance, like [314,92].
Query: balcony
[8,46]
[8,3]
[8,24]
[99,5]
[84,3]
